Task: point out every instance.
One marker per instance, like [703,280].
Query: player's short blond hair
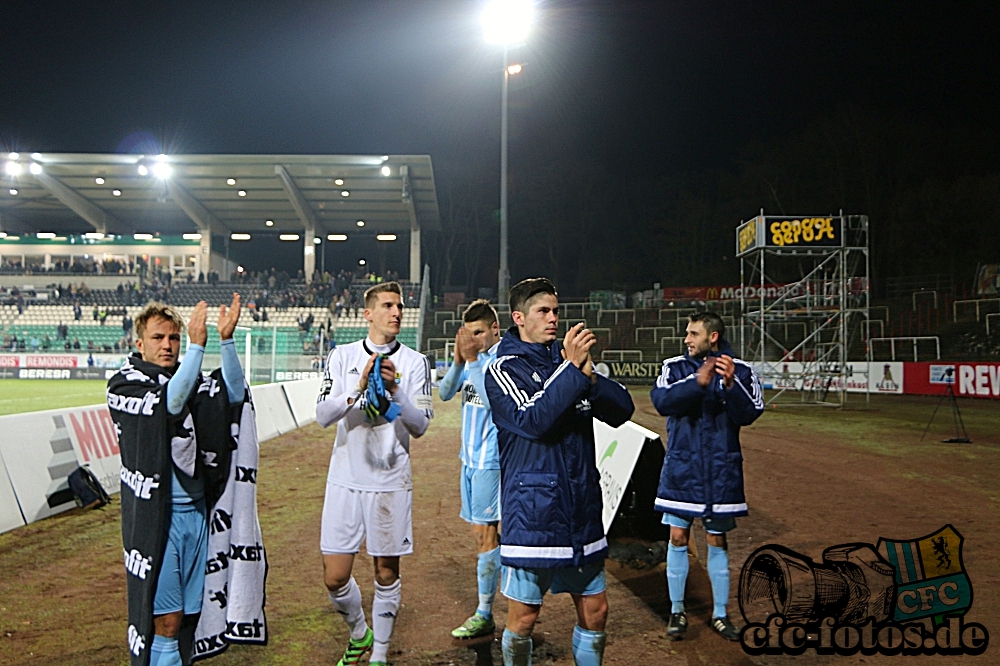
[371,294]
[152,311]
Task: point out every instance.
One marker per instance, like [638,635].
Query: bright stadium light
[514,69]
[316,240]
[191,236]
[116,193]
[361,223]
[162,170]
[508,21]
[99,180]
[361,262]
[36,156]
[268,223]
[345,193]
[339,181]
[143,170]
[13,192]
[230,181]
[94,235]
[386,171]
[242,193]
[239,269]
[35,168]
[145,237]
[239,237]
[45,235]
[385,237]
[288,237]
[13,168]
[336,237]
[3,234]
[13,156]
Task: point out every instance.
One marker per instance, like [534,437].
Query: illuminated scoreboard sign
[789,232]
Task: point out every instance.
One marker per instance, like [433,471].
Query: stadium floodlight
[361,262]
[116,193]
[508,22]
[268,223]
[385,237]
[316,240]
[514,69]
[242,193]
[191,236]
[288,237]
[45,235]
[239,269]
[35,168]
[240,237]
[162,170]
[99,180]
[345,193]
[94,235]
[144,237]
[13,192]
[13,168]
[13,156]
[385,158]
[230,181]
[386,171]
[143,170]
[336,237]
[361,223]
[36,156]
[338,181]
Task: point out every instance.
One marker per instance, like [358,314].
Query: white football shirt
[366,456]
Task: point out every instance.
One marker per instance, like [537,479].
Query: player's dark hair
[711,322]
[371,294]
[525,290]
[480,310]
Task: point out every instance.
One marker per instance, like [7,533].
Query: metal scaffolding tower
[805,296]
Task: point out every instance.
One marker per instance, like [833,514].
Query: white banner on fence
[618,450]
[302,399]
[273,414]
[885,377]
[10,513]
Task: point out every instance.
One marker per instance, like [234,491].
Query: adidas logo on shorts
[406,541]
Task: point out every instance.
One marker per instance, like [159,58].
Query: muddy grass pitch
[815,477]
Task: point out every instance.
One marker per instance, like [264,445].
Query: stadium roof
[113,193]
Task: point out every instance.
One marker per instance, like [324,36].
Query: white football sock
[347,602]
[384,610]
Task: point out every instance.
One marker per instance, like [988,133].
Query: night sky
[635,87]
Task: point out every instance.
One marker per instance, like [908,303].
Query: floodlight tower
[506,22]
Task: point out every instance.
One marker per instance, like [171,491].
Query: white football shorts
[351,515]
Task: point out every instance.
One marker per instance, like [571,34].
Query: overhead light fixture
[386,171]
[242,193]
[13,168]
[513,69]
[45,235]
[230,181]
[162,170]
[116,193]
[508,21]
[239,236]
[239,269]
[142,236]
[35,168]
[361,262]
[13,156]
[345,193]
[336,237]
[191,236]
[13,238]
[36,156]
[143,170]
[268,223]
[339,181]
[361,223]
[13,192]
[3,234]
[316,240]
[385,237]
[60,238]
[288,237]
[385,158]
[99,180]
[94,235]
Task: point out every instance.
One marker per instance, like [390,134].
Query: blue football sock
[488,572]
[164,652]
[516,649]
[588,646]
[677,573]
[718,573]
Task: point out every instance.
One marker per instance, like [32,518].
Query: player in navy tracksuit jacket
[544,399]
[706,395]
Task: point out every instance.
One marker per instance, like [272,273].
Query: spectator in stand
[77,311]
[76,343]
[34,343]
[97,313]
[90,360]
[62,331]
[90,345]
[46,342]
[263,315]
[103,315]
[201,278]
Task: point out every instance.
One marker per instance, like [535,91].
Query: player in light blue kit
[475,350]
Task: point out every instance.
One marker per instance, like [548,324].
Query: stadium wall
[40,449]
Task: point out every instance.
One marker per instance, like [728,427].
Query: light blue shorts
[182,578]
[480,496]
[719,525]
[529,585]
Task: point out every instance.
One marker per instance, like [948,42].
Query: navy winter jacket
[543,408]
[703,471]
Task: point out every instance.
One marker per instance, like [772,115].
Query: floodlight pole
[503,280]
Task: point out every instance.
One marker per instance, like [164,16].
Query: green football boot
[474,627]
[356,649]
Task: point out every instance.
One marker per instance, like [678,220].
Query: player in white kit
[369,491]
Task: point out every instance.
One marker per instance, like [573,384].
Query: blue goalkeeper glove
[376,401]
